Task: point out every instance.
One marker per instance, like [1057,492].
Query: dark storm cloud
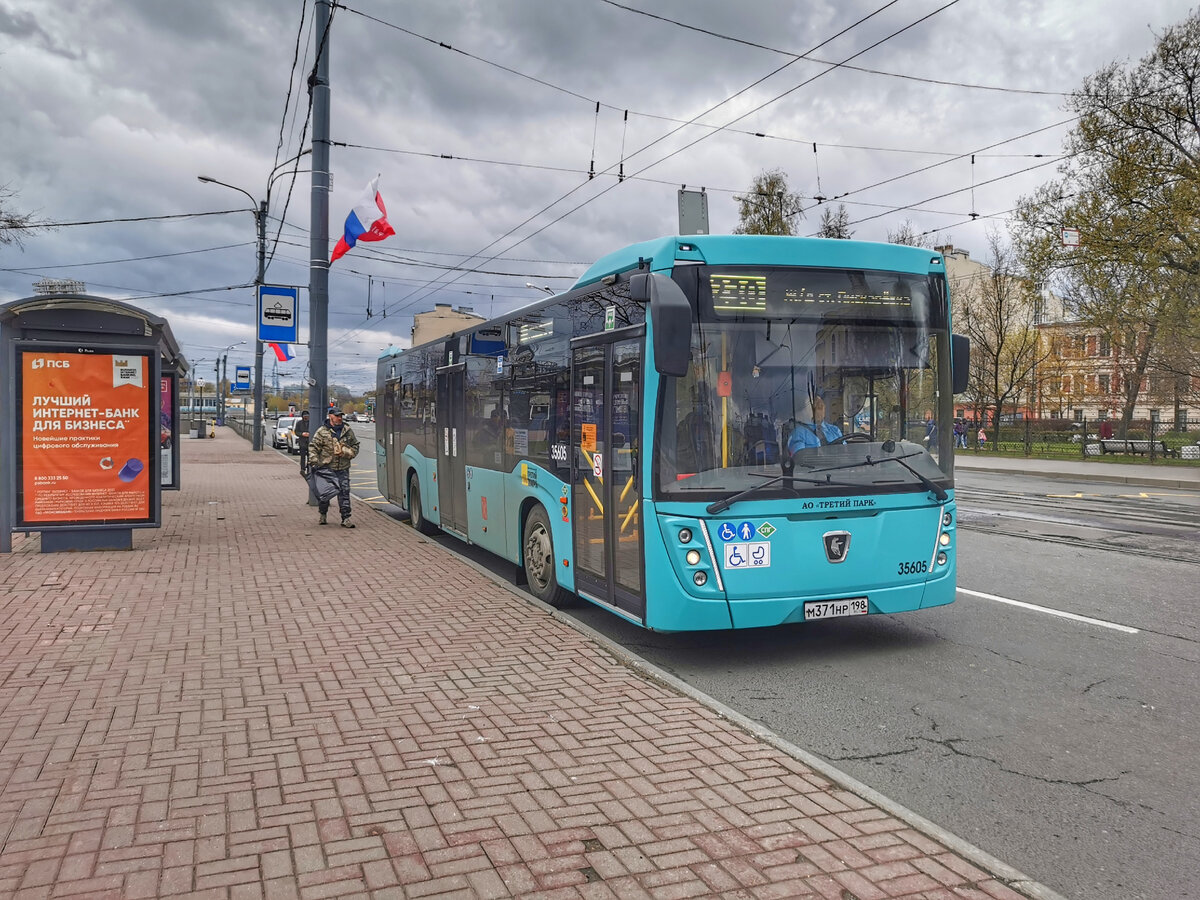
[111,110]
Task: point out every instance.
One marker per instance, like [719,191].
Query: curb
[1011,877]
[1148,481]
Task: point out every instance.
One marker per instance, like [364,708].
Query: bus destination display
[799,293]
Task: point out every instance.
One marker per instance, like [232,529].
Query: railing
[1142,441]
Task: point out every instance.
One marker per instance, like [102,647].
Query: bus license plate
[831,609]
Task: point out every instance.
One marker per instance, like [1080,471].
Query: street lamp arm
[206,180]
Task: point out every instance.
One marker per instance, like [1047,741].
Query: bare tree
[14,226]
[835,223]
[907,234]
[997,310]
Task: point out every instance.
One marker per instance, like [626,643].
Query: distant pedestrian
[303,436]
[960,434]
[982,438]
[330,452]
[1106,429]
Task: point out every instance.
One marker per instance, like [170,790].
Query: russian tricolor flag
[367,221]
[283,352]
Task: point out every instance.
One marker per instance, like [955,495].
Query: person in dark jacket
[331,450]
[303,435]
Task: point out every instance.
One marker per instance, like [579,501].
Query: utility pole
[256,442]
[318,266]
[221,387]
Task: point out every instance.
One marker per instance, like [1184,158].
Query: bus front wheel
[416,512]
[539,560]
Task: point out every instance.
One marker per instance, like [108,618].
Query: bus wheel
[539,560]
[416,513]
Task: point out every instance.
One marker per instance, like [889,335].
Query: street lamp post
[222,378]
[260,221]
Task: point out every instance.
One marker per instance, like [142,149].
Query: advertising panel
[168,433]
[88,450]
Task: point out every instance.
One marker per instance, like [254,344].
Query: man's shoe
[321,521]
[346,523]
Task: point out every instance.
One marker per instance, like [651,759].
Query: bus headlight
[947,519]
[693,557]
[944,539]
[700,578]
[685,535]
[942,558]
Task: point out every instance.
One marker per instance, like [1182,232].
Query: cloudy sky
[110,109]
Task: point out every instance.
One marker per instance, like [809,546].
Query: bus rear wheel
[416,513]
[538,547]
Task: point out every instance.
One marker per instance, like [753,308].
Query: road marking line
[1054,612]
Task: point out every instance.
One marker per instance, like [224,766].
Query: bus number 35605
[913,568]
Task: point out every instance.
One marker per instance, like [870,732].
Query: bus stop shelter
[89,420]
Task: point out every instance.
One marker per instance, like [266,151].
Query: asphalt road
[1063,745]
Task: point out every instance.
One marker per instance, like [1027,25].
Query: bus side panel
[486,525]
[529,484]
[426,472]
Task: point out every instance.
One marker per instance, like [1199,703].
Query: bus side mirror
[670,320]
[960,355]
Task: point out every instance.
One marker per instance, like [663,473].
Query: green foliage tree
[835,223]
[1130,184]
[768,207]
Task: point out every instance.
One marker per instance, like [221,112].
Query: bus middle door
[451,475]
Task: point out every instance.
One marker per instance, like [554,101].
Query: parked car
[282,437]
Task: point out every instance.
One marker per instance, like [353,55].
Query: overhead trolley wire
[658,140]
[824,62]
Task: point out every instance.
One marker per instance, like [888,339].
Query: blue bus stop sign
[277,319]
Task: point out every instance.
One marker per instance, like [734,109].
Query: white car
[283,437]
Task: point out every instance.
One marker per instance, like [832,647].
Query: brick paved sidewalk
[248,705]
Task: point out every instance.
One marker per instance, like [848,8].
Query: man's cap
[303,414]
[335,412]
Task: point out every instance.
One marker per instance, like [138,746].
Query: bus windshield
[837,372]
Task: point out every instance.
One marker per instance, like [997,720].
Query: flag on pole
[367,221]
[283,352]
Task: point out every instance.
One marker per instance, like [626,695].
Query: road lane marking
[1054,612]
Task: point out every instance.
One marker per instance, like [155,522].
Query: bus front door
[606,430]
[451,473]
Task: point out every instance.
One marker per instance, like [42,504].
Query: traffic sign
[277,308]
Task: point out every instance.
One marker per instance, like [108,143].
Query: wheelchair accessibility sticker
[729,532]
[754,555]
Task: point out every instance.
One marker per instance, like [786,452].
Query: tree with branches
[835,223]
[14,225]
[768,207]
[1130,185]
[997,310]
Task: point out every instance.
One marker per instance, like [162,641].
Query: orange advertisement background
[73,474]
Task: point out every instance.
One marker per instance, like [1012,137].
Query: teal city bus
[704,432]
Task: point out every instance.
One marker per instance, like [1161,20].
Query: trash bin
[198,429]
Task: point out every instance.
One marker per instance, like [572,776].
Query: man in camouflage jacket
[330,451]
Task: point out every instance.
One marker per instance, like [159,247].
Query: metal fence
[1144,439]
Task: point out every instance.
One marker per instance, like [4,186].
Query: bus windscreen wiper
[933,488]
[722,505]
